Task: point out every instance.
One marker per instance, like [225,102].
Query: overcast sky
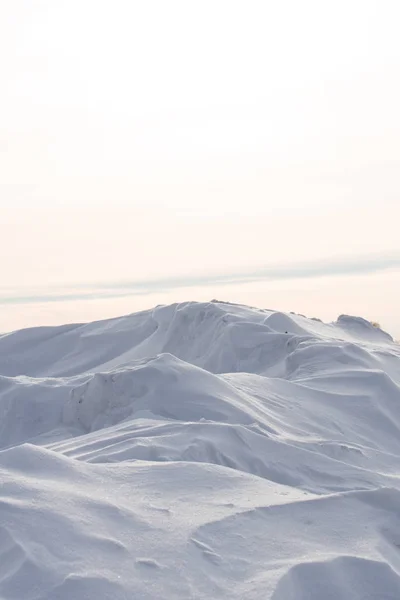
[146,139]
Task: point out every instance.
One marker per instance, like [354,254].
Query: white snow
[200,451]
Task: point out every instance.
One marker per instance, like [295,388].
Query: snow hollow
[200,451]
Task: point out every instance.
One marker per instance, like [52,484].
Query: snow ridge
[200,450]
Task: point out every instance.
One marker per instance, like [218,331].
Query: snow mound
[164,387]
[200,450]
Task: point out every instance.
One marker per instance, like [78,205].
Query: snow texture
[200,451]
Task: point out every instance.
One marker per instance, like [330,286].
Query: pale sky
[144,139]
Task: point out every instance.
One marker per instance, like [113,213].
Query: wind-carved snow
[200,451]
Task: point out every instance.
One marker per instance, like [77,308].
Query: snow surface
[200,451]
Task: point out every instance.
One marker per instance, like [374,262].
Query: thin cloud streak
[107,290]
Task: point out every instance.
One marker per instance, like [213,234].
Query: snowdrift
[200,450]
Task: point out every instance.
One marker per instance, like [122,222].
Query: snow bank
[200,450]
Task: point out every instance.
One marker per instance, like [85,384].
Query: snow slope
[198,451]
